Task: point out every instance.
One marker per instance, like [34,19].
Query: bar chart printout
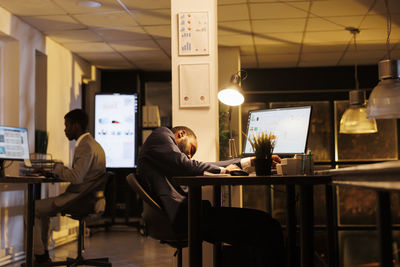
[193,33]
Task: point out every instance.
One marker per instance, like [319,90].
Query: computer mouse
[239,173]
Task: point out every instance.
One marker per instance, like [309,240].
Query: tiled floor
[124,246]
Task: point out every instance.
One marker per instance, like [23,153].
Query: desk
[32,182]
[383,178]
[306,183]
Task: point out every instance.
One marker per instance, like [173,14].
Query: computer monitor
[13,145]
[116,126]
[289,125]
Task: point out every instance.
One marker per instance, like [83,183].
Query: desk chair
[90,206]
[157,224]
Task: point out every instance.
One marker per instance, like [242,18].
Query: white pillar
[204,120]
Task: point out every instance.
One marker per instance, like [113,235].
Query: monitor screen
[13,143]
[289,125]
[116,128]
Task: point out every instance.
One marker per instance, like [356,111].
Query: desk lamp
[232,95]
[384,101]
[354,119]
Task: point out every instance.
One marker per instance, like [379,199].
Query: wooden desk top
[28,180]
[252,180]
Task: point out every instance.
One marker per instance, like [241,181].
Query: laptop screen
[289,125]
[13,143]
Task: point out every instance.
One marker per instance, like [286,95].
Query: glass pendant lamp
[354,119]
[384,101]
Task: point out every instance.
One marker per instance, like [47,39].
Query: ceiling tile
[159,32]
[234,27]
[88,47]
[233,12]
[165,44]
[230,2]
[72,7]
[142,45]
[146,4]
[277,10]
[341,8]
[32,7]
[322,59]
[278,25]
[247,50]
[323,48]
[235,40]
[153,17]
[333,23]
[278,38]
[280,64]
[363,57]
[378,35]
[380,7]
[106,20]
[332,37]
[275,58]
[123,33]
[248,60]
[52,23]
[278,49]
[145,55]
[76,36]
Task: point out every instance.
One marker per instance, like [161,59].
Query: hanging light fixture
[384,101]
[354,119]
[232,95]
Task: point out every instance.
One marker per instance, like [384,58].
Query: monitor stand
[2,168]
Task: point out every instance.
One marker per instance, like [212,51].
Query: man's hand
[232,167]
[275,160]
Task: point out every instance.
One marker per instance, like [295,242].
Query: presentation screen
[116,128]
[13,143]
[289,125]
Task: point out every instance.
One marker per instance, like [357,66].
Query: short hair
[188,131]
[78,116]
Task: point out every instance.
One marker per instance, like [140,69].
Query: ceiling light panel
[123,34]
[153,17]
[278,10]
[159,32]
[106,20]
[72,7]
[32,7]
[54,23]
[146,4]
[75,36]
[233,13]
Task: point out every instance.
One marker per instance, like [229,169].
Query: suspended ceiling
[136,34]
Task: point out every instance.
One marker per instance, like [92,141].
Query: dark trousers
[250,232]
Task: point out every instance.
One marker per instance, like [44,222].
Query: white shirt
[244,162]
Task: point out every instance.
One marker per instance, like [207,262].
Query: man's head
[186,140]
[76,122]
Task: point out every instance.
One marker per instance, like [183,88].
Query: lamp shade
[384,101]
[231,95]
[354,121]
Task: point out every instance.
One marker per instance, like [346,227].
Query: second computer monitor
[289,126]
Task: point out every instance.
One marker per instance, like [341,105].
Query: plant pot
[263,166]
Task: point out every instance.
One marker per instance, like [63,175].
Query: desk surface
[28,180]
[252,180]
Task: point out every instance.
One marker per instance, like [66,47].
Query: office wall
[18,45]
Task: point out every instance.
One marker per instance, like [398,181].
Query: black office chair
[92,204]
[157,224]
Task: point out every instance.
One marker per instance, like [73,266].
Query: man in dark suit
[167,153]
[87,175]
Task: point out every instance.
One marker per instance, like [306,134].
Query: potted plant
[263,145]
